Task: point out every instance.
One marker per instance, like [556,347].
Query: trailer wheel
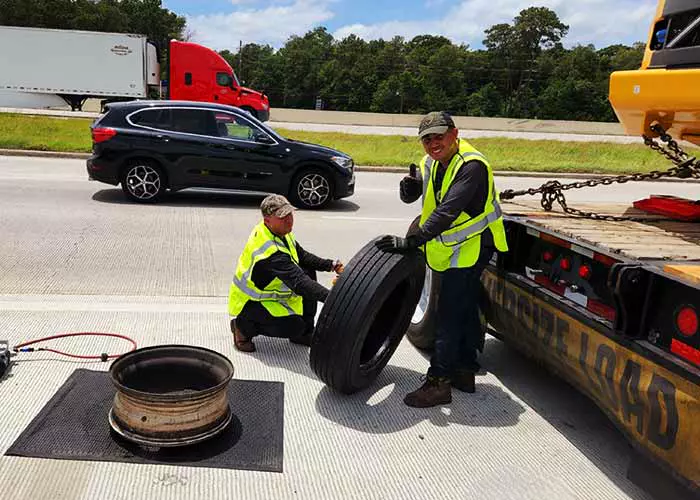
[365,317]
[422,329]
[143,181]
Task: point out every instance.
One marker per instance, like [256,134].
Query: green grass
[73,135]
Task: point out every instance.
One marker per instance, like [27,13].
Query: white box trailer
[77,65]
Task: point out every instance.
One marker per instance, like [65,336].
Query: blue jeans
[458,333]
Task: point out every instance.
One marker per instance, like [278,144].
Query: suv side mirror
[263,139]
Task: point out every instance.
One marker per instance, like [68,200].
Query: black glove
[396,244]
[410,189]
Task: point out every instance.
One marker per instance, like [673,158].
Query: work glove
[396,244]
[410,187]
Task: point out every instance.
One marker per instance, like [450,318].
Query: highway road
[76,256]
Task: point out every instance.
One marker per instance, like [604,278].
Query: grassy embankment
[72,135]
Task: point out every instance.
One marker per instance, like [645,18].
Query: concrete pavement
[75,256]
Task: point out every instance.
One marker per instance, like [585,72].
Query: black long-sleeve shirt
[280,265]
[467,193]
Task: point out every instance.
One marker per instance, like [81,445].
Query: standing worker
[274,290]
[460,228]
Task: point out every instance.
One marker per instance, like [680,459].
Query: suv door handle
[225,146]
[163,138]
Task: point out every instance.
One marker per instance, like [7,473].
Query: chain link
[553,191]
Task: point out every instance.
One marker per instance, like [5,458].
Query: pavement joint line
[110,303]
[358,168]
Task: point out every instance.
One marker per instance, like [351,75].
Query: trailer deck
[674,246]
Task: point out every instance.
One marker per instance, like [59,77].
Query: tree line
[522,71]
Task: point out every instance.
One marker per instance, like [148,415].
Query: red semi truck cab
[198,73]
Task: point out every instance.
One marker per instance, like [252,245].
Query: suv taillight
[101,134]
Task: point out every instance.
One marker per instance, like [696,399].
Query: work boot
[304,339]
[463,380]
[241,342]
[435,391]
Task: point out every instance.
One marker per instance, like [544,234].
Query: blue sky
[220,24]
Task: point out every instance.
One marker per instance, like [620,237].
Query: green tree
[516,49]
[485,102]
[302,59]
[348,82]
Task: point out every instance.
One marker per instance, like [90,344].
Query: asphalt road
[78,219]
[75,256]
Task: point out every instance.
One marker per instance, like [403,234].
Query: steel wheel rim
[313,189]
[424,301]
[143,182]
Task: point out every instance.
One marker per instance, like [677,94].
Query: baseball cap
[437,122]
[276,205]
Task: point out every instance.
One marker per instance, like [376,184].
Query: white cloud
[270,25]
[590,21]
[600,22]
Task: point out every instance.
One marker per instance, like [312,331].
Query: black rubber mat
[74,425]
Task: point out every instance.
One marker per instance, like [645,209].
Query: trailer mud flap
[657,408]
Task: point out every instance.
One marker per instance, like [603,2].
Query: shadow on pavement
[209,199]
[571,413]
[379,409]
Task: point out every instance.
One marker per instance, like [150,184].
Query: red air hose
[104,356]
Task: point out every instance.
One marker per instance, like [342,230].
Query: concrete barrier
[91,110]
[463,122]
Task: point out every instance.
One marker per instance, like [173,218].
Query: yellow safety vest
[460,245]
[276,297]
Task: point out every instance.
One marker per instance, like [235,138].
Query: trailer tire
[365,317]
[422,329]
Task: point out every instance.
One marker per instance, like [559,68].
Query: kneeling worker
[274,290]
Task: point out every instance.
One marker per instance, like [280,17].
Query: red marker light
[565,264]
[548,256]
[687,321]
[585,272]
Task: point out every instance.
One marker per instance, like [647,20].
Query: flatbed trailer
[611,307]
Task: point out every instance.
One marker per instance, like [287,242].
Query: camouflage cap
[437,122]
[276,205]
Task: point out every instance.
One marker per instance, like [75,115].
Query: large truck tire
[365,317]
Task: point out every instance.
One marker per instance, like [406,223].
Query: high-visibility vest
[460,245]
[276,297]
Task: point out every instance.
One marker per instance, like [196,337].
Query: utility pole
[240,60]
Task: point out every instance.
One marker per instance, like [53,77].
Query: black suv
[153,146]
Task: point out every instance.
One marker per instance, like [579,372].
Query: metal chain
[552,191]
